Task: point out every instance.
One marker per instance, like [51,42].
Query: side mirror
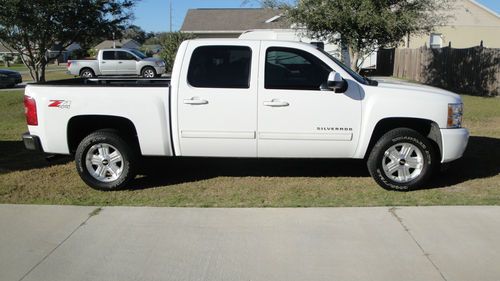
[336,82]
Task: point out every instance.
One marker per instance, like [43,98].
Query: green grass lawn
[53,72]
[25,177]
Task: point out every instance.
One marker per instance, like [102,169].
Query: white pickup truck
[117,62]
[247,98]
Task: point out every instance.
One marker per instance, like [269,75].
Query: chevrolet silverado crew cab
[247,98]
[120,62]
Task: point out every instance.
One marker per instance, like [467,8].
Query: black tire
[87,73]
[420,150]
[112,141]
[146,70]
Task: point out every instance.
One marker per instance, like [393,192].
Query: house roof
[232,20]
[108,44]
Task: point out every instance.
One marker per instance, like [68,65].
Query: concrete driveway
[122,243]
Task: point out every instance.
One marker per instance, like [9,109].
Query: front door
[126,63]
[296,118]
[217,102]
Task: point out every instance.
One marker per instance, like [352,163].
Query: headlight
[160,63]
[455,112]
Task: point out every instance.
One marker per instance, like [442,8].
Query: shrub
[170,43]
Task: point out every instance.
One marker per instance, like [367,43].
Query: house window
[436,40]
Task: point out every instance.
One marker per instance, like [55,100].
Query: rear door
[296,118]
[217,99]
[126,63]
[107,64]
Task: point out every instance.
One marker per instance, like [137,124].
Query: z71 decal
[60,103]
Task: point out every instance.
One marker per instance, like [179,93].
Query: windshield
[139,54]
[353,73]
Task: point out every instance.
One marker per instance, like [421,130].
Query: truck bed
[144,103]
[113,81]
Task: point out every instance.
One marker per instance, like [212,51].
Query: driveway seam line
[90,215]
[407,230]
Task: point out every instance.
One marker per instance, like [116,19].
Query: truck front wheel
[148,72]
[105,161]
[402,159]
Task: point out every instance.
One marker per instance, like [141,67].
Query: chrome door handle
[276,103]
[195,101]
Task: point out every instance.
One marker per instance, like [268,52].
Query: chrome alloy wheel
[403,162]
[87,74]
[149,73]
[104,162]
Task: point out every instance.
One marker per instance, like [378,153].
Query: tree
[170,43]
[136,33]
[32,28]
[365,25]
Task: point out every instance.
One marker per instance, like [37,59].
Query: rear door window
[108,55]
[220,67]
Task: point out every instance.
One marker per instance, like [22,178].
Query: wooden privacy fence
[474,71]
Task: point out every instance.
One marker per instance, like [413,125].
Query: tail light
[69,63]
[30,111]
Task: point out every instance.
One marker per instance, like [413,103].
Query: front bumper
[160,70]
[454,143]
[32,142]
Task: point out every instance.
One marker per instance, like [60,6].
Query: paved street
[127,243]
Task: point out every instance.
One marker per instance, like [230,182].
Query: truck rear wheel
[402,160]
[105,161]
[87,73]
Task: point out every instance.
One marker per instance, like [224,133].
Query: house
[123,43]
[469,24]
[230,23]
[249,23]
[62,56]
[5,50]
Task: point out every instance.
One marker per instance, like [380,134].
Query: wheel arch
[425,127]
[81,126]
[147,66]
[86,67]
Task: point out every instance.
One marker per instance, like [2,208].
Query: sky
[153,15]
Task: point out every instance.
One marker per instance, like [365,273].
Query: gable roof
[485,8]
[108,44]
[233,20]
[471,13]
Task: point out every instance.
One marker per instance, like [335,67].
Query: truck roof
[237,40]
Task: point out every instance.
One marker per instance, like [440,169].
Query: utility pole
[170,15]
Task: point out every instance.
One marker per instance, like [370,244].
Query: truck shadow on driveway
[481,160]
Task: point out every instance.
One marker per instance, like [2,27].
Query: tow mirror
[336,82]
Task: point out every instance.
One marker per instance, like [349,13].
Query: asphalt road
[127,243]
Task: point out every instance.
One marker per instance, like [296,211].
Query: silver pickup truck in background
[120,62]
